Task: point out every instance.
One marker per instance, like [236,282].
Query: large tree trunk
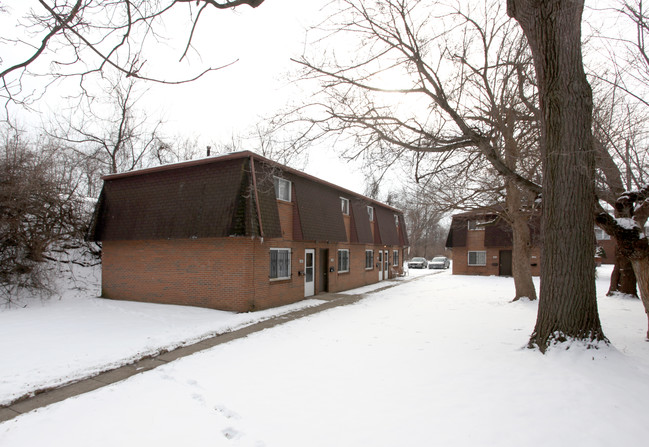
[641,269]
[521,270]
[567,305]
[521,243]
[516,201]
[623,277]
[631,240]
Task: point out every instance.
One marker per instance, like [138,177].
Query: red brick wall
[221,273]
[181,271]
[609,247]
[475,242]
[460,256]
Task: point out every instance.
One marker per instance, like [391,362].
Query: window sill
[279,280]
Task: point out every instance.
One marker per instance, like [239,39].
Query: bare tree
[39,208]
[631,207]
[459,118]
[167,151]
[567,305]
[114,134]
[77,38]
[426,234]
[447,97]
[628,230]
[618,129]
[269,140]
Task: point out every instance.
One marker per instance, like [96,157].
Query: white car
[417,263]
[439,262]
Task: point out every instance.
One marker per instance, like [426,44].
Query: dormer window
[282,189]
[370,213]
[476,225]
[344,206]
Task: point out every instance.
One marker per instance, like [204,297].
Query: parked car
[439,262]
[417,263]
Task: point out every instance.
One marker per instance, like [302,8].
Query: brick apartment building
[607,246]
[239,232]
[481,244]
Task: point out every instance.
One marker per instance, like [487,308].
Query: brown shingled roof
[498,232]
[319,208]
[191,201]
[361,221]
[215,197]
[387,226]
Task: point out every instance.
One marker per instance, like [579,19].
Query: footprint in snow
[227,413]
[198,397]
[231,433]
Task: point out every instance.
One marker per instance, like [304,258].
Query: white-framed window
[344,206]
[370,213]
[476,225]
[395,258]
[369,259]
[343,260]
[282,189]
[601,235]
[280,263]
[396,220]
[477,258]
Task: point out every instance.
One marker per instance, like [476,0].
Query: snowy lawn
[76,335]
[435,361]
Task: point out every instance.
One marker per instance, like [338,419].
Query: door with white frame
[386,264]
[309,272]
[380,265]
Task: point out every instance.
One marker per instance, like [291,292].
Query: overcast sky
[230,101]
[226,103]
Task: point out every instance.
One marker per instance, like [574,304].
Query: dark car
[439,262]
[417,263]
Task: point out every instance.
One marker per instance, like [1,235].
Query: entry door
[505,263]
[380,265]
[309,267]
[386,264]
[323,277]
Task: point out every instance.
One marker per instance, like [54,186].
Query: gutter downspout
[254,185]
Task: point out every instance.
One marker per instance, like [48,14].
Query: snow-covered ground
[439,360]
[75,335]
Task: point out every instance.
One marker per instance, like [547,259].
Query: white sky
[228,102]
[263,40]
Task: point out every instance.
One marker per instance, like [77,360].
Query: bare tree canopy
[76,38]
[445,88]
[446,70]
[40,208]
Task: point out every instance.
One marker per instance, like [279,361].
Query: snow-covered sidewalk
[61,340]
[437,361]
